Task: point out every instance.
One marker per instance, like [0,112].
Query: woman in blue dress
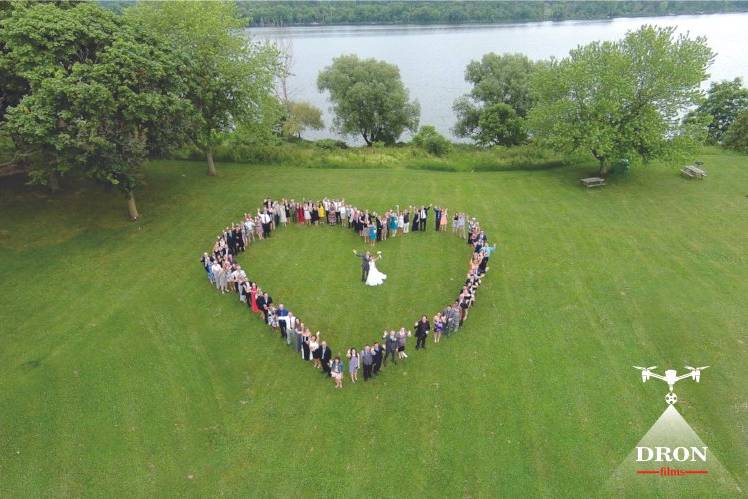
[372,234]
[393,224]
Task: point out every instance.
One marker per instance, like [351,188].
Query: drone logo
[671,378]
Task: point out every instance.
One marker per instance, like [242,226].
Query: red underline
[666,471]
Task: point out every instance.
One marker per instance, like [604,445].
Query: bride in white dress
[375,277]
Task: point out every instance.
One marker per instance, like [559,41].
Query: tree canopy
[368,99]
[102,94]
[230,76]
[622,99]
[494,110]
[301,116]
[725,99]
[736,136]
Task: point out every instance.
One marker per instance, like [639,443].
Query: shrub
[429,139]
[330,144]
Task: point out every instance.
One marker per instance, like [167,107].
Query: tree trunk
[603,171]
[131,207]
[53,182]
[211,164]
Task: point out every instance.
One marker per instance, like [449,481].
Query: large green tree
[724,100]
[622,99]
[737,135]
[368,99]
[230,76]
[103,94]
[497,81]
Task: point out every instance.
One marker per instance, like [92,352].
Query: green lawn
[122,373]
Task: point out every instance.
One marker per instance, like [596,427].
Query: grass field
[123,373]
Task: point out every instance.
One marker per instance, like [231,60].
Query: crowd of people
[227,276]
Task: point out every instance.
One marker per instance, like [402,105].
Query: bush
[330,144]
[429,139]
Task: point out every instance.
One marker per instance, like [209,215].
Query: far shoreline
[478,24]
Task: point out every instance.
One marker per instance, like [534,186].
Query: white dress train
[375,277]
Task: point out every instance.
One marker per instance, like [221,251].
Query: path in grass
[122,372]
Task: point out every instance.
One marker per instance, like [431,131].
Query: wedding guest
[402,336]
[367,359]
[438,327]
[423,217]
[378,354]
[324,356]
[299,335]
[391,344]
[258,226]
[283,213]
[452,314]
[291,329]
[315,351]
[282,315]
[437,218]
[487,252]
[307,214]
[253,294]
[205,260]
[215,272]
[306,351]
[223,278]
[422,331]
[393,224]
[265,221]
[336,370]
[262,305]
[353,364]
[272,319]
[443,220]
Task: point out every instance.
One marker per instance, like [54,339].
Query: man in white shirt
[265,221]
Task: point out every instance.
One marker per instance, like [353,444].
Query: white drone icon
[671,378]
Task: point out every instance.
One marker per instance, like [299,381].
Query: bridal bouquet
[379,253]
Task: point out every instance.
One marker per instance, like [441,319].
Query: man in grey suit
[364,264]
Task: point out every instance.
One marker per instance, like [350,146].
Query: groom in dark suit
[364,264]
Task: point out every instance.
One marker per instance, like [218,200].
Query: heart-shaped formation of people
[228,277]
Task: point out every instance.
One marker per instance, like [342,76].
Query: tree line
[88,92]
[290,13]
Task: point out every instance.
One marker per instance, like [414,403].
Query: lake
[432,59]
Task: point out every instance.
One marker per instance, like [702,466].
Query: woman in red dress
[300,209]
[253,299]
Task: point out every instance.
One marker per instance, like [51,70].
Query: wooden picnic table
[693,171]
[593,181]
